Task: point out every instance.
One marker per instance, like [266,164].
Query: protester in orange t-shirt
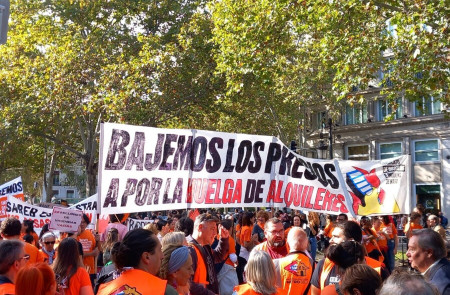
[70,274]
[392,242]
[28,228]
[413,224]
[261,217]
[382,239]
[329,227]
[90,250]
[369,239]
[295,222]
[232,258]
[47,251]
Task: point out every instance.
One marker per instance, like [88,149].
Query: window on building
[356,114]
[428,106]
[321,117]
[385,109]
[429,196]
[55,178]
[55,193]
[426,150]
[358,152]
[70,194]
[390,150]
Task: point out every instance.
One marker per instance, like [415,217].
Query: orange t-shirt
[36,239]
[246,234]
[409,227]
[369,244]
[238,232]
[328,230]
[87,239]
[286,232]
[7,288]
[390,230]
[45,256]
[77,281]
[35,255]
[231,250]
[382,241]
[329,290]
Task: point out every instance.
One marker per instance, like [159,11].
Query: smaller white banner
[65,220]
[137,223]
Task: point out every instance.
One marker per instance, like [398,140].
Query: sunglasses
[50,243]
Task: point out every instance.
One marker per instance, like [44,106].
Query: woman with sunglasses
[48,247]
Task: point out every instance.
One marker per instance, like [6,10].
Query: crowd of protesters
[203,252]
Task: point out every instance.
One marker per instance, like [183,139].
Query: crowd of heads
[161,249]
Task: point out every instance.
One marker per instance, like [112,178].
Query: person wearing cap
[204,281]
[48,247]
[176,267]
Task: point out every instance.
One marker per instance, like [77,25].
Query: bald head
[297,239]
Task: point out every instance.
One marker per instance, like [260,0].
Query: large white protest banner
[148,169]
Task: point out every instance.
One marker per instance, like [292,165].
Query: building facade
[421,130]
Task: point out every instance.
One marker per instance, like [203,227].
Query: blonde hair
[173,238]
[152,227]
[260,272]
[111,238]
[314,216]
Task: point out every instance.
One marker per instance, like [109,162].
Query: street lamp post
[4,16]
[330,137]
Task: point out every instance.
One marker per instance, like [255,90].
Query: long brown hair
[67,261]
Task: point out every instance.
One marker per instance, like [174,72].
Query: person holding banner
[138,258]
[90,247]
[12,259]
[10,229]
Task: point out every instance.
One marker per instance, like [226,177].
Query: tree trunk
[48,181]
